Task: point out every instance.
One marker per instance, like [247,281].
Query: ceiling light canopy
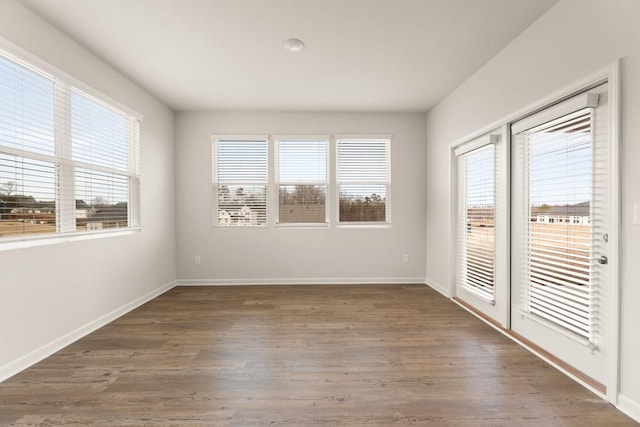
[293,45]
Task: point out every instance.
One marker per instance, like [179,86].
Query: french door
[559,230]
[481,262]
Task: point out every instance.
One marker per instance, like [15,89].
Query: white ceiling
[360,55]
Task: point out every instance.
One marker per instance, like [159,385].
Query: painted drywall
[276,255]
[48,292]
[574,39]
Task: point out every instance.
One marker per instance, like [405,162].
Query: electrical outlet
[405,258]
[197,260]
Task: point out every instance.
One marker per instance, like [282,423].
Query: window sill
[53,239]
[240,227]
[363,225]
[302,225]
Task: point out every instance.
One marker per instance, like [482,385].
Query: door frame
[612,77]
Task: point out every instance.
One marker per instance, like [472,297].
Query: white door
[481,225]
[559,210]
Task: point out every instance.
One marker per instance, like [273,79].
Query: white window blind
[105,169]
[302,181]
[363,180]
[240,181]
[476,223]
[68,161]
[560,243]
[27,151]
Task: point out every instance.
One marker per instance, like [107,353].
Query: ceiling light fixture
[293,45]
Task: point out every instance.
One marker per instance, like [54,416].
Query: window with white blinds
[476,221]
[363,180]
[105,166]
[302,181]
[68,161]
[240,181]
[562,287]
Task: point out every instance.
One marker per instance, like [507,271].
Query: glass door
[559,231]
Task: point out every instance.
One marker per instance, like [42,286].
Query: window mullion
[272,187]
[65,203]
[333,201]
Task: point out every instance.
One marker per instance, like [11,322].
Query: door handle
[603,260]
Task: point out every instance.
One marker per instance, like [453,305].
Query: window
[302,180]
[476,220]
[240,181]
[245,188]
[103,168]
[68,161]
[363,180]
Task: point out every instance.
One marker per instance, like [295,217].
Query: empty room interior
[336,212]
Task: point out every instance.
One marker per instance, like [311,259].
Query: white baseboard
[22,363]
[436,286]
[629,407]
[300,281]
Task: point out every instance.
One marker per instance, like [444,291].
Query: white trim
[629,407]
[239,137]
[54,239]
[273,191]
[304,281]
[614,92]
[453,223]
[540,355]
[438,287]
[301,137]
[301,225]
[507,232]
[374,136]
[12,368]
[355,224]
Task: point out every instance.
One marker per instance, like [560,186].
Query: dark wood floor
[308,355]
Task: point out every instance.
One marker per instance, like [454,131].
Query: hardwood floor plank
[374,355]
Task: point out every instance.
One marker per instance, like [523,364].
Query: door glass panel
[558,231]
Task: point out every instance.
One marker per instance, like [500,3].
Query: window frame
[336,197]
[65,196]
[215,140]
[277,183]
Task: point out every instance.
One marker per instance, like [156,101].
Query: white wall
[50,291]
[574,39]
[286,255]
